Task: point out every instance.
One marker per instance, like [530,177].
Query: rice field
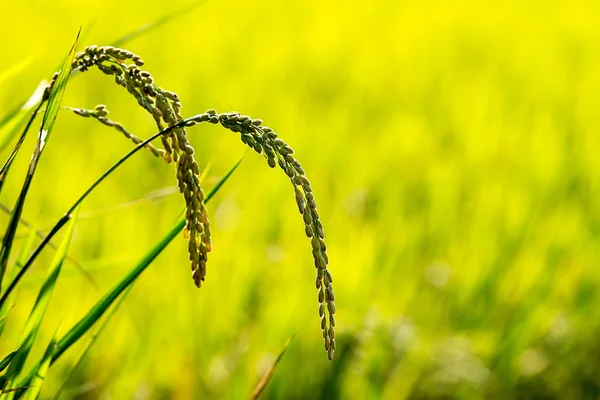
[451,147]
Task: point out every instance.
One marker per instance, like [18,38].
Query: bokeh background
[453,150]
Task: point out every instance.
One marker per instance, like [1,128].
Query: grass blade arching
[10,134]
[35,388]
[6,360]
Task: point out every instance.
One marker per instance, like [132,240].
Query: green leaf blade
[54,99]
[6,360]
[84,325]
[41,304]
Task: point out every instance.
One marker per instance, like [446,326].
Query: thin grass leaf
[6,360]
[3,317]
[10,134]
[35,387]
[39,309]
[90,342]
[105,302]
[54,100]
[25,250]
[265,380]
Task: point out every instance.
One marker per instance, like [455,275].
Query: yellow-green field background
[454,151]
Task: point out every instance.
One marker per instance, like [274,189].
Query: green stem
[65,218]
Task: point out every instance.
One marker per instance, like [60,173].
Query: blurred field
[453,149]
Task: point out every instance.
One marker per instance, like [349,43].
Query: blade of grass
[25,250]
[35,387]
[7,164]
[20,260]
[6,360]
[265,380]
[3,317]
[90,342]
[39,309]
[54,100]
[81,327]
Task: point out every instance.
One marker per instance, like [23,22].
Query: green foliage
[53,96]
[39,310]
[451,146]
[164,107]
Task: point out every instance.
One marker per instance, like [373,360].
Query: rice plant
[124,67]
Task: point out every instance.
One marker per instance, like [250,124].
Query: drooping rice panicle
[277,152]
[165,107]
